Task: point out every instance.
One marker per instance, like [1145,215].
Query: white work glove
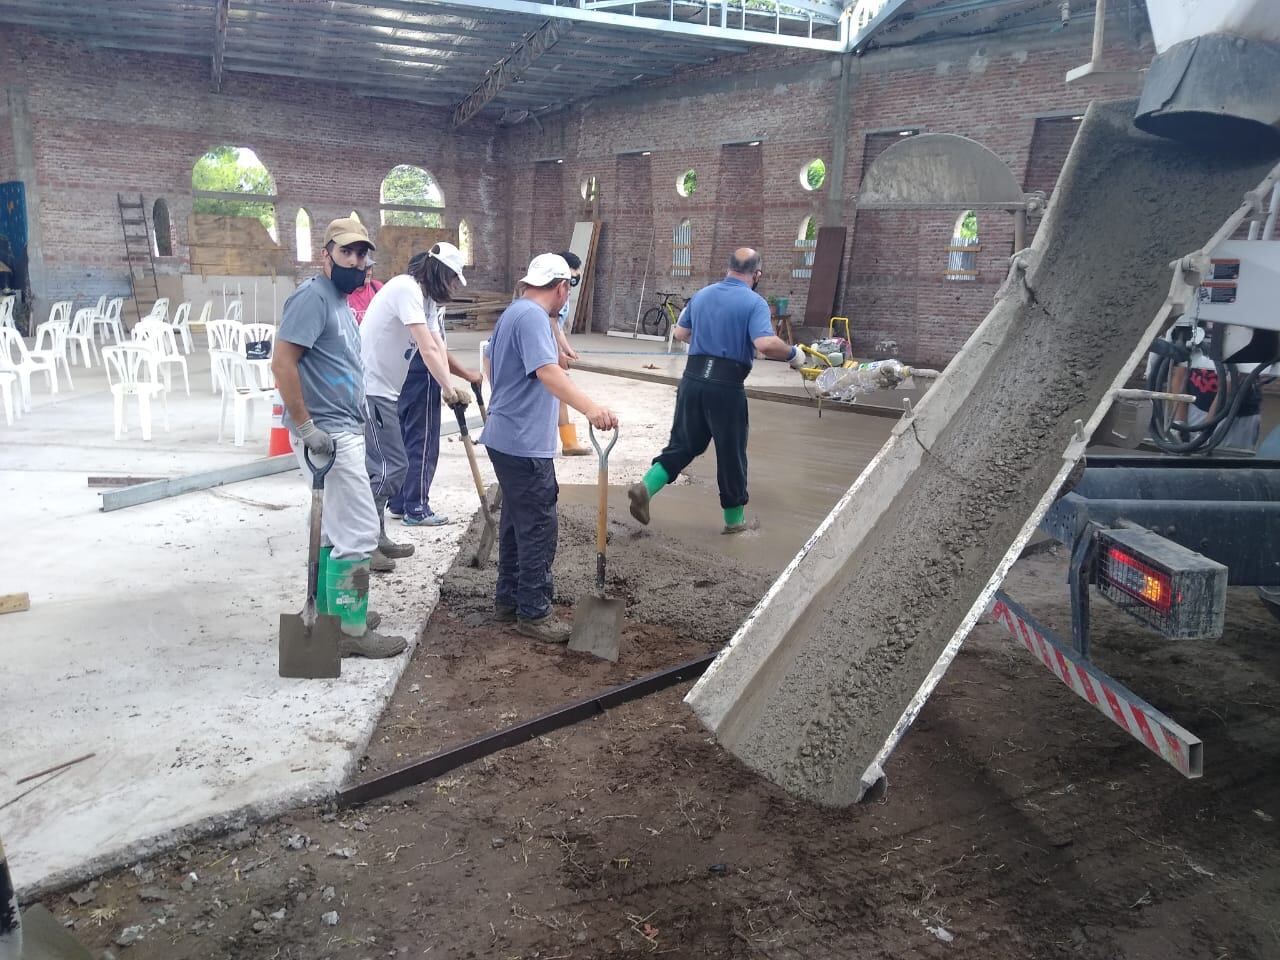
[456,398]
[316,440]
[797,360]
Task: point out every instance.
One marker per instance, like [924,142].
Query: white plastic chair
[235,311]
[60,311]
[25,365]
[159,336]
[109,320]
[101,307]
[131,372]
[182,325]
[222,335]
[160,309]
[80,337]
[8,387]
[240,388]
[7,304]
[51,343]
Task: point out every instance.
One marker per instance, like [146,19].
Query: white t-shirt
[386,344]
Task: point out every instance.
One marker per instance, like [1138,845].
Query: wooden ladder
[138,253]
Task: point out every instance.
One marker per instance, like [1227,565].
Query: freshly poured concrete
[152,630]
[823,675]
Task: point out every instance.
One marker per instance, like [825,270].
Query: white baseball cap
[546,268]
[451,257]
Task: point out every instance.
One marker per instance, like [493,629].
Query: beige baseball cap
[345,231]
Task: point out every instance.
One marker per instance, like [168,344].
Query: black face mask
[347,279]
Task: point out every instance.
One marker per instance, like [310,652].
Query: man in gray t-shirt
[316,363]
[520,439]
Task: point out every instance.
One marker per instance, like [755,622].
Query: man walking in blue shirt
[724,324]
[528,385]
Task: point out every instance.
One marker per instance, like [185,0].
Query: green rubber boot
[347,590]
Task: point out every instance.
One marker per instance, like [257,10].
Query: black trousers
[528,531]
[709,410]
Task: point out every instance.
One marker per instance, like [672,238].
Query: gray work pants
[350,523]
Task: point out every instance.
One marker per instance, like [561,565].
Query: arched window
[302,226]
[464,242]
[411,197]
[682,249]
[163,227]
[962,251]
[232,182]
[806,246]
[590,189]
[687,183]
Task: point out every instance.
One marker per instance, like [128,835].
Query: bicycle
[658,320]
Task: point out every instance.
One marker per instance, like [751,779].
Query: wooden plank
[579,244]
[824,281]
[15,602]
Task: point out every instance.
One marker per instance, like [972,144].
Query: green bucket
[342,599]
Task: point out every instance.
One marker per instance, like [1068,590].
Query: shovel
[597,622]
[490,531]
[495,495]
[309,640]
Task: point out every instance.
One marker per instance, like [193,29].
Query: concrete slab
[151,636]
[151,639]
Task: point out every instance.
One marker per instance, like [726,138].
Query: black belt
[718,369]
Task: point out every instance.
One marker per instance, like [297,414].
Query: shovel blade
[44,938]
[309,645]
[597,625]
[489,528]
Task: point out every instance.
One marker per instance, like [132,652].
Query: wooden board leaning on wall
[235,246]
[397,244]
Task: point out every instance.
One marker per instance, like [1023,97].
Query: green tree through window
[815,174]
[407,185]
[228,169]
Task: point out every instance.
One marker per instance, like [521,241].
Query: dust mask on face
[346,279]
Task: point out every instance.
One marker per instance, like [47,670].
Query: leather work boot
[638,493]
[386,546]
[504,614]
[546,628]
[372,619]
[381,563]
[731,528]
[375,646]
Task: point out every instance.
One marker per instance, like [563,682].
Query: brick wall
[328,153]
[143,131]
[991,89]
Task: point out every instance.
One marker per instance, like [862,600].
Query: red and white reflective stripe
[1177,746]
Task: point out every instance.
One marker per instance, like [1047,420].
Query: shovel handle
[318,473]
[460,411]
[602,454]
[478,390]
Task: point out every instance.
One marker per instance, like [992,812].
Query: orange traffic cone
[279,442]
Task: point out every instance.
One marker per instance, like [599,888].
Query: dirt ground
[1018,824]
